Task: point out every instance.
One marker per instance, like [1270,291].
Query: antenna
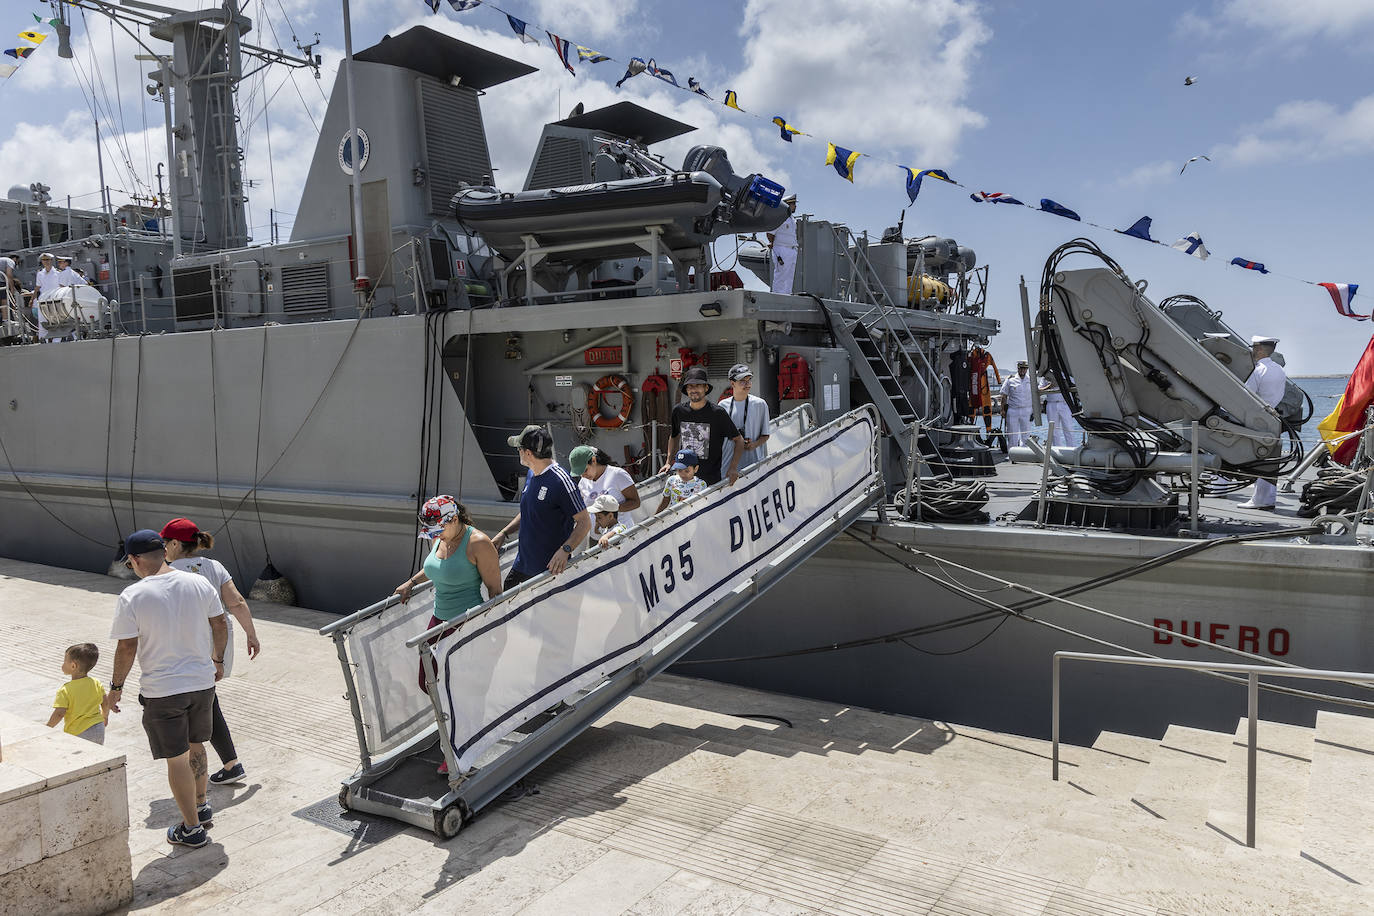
[307,52]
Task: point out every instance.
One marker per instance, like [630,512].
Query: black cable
[257,447]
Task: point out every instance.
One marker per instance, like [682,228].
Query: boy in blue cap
[685,483]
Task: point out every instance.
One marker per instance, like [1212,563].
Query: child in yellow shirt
[80,703]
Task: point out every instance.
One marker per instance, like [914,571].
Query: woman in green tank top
[461,561]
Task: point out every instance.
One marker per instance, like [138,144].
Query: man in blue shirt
[553,519]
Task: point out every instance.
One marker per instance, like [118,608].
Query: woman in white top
[599,474]
[184,542]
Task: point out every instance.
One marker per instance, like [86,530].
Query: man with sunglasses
[162,621]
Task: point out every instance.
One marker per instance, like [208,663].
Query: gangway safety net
[514,657]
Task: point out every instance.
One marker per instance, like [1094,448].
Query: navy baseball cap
[685,459]
[144,540]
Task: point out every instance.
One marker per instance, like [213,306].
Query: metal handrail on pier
[1253,673]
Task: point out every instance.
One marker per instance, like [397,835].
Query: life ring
[604,386]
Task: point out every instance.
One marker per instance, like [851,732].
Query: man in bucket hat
[703,427]
[161,621]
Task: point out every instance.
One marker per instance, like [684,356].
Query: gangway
[517,678]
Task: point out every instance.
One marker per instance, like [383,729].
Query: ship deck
[695,797]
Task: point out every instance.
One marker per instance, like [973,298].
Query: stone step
[1340,798]
[1113,768]
[1185,765]
[1283,764]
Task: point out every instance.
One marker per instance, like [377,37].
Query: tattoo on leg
[198,766]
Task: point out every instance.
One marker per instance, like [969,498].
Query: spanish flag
[35,37]
[842,159]
[1348,417]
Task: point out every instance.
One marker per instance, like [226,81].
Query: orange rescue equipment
[596,397]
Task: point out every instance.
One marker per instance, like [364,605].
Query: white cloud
[577,20]
[1305,131]
[1150,173]
[1328,18]
[858,74]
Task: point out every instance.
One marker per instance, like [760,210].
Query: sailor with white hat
[784,254]
[1016,404]
[1267,382]
[46,280]
[66,276]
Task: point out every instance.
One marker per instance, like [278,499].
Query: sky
[1079,101]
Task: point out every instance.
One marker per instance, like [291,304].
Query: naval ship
[301,399]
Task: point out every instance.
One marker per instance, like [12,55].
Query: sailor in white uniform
[1016,404]
[1268,382]
[65,275]
[1057,412]
[46,280]
[784,254]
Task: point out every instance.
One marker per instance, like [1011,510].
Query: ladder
[880,380]
[401,741]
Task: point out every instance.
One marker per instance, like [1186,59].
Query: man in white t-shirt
[162,621]
[750,414]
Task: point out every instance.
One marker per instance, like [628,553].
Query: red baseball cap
[180,529]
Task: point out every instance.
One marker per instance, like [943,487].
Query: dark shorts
[514,578]
[175,723]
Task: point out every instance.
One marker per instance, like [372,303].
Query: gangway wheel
[449,821]
[343,797]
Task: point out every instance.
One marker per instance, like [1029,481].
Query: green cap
[578,459]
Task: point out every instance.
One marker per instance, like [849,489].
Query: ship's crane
[1136,381]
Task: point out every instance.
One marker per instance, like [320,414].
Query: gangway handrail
[653,521]
[1253,673]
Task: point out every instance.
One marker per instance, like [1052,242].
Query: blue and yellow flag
[842,159]
[913,180]
[787,130]
[732,100]
[589,56]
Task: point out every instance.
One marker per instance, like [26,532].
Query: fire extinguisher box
[829,368]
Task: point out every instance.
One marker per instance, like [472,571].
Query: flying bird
[1194,159]
[1189,80]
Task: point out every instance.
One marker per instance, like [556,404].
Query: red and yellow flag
[1348,417]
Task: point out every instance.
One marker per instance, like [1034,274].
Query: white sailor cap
[46,254]
[1260,339]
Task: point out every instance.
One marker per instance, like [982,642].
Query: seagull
[1189,80]
[1194,159]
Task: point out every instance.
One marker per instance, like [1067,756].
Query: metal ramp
[520,676]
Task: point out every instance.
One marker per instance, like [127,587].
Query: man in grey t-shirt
[750,415]
[173,623]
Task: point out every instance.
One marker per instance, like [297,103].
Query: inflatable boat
[681,204]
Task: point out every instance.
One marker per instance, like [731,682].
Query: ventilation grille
[722,356]
[455,141]
[195,293]
[305,287]
[561,163]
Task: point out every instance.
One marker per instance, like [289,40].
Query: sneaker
[180,836]
[234,773]
[205,815]
[1250,505]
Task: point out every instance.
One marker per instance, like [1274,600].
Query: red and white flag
[1341,294]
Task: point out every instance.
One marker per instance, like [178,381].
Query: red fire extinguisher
[794,378]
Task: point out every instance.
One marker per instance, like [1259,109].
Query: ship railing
[1252,674]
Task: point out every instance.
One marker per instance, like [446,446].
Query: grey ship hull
[341,472]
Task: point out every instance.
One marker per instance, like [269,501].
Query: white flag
[1192,244]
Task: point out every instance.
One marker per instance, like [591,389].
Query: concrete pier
[694,797]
